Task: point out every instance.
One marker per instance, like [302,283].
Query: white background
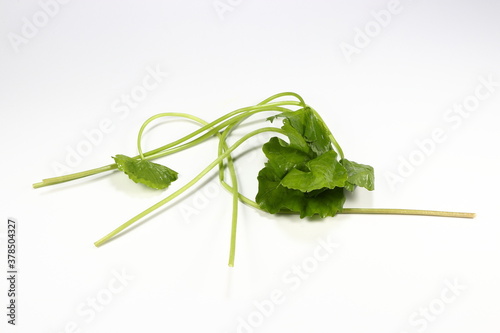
[65,69]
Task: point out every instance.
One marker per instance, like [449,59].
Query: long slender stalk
[385,211]
[74,176]
[235,192]
[406,212]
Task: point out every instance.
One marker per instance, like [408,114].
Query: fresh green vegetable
[306,172]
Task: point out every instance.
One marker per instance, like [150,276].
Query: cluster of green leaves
[306,175]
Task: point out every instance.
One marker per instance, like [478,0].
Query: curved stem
[222,148]
[267,100]
[165,114]
[235,192]
[185,187]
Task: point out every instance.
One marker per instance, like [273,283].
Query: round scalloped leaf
[151,174]
[358,175]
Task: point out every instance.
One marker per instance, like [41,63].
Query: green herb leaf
[282,156]
[273,197]
[327,203]
[323,172]
[311,130]
[151,174]
[358,175]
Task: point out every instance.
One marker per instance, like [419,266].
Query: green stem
[165,114]
[267,100]
[241,197]
[384,211]
[235,192]
[73,176]
[406,212]
[187,186]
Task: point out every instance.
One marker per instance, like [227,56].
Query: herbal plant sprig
[306,175]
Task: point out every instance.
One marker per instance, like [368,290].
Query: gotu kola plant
[306,172]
